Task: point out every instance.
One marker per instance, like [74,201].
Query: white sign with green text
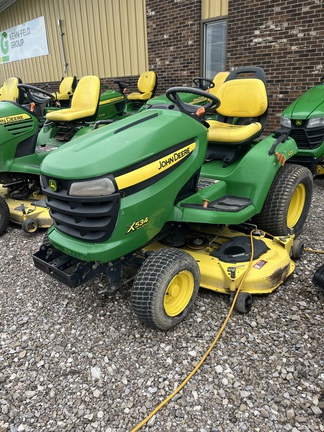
[23,41]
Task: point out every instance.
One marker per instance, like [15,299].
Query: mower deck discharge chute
[157,191]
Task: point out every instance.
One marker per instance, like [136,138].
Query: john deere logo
[299,122]
[53,186]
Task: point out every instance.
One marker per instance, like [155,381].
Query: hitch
[72,271]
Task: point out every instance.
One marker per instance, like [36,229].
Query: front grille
[91,219]
[307,139]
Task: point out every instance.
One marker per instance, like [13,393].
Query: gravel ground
[81,361]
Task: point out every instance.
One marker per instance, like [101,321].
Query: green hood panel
[17,129]
[123,144]
[308,105]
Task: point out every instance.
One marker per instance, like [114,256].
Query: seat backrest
[147,82]
[86,95]
[244,97]
[241,117]
[84,105]
[67,85]
[11,91]
[218,80]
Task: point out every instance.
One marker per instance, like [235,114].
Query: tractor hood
[17,130]
[108,184]
[152,135]
[308,105]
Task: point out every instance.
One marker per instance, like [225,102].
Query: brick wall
[173,33]
[285,38]
[173,36]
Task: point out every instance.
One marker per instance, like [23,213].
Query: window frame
[204,24]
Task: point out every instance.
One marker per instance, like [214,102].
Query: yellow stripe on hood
[154,168]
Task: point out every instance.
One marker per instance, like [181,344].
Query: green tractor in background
[187,201]
[303,120]
[25,140]
[111,102]
[146,89]
[41,101]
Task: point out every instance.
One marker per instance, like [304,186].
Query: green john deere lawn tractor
[304,121]
[56,118]
[187,202]
[25,140]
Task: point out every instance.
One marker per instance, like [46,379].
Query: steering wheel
[34,98]
[122,85]
[203,83]
[173,95]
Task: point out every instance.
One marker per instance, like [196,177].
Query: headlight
[315,122]
[285,121]
[97,187]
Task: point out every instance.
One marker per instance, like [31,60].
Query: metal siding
[104,25]
[132,36]
[101,37]
[214,8]
[119,52]
[73,31]
[55,59]
[140,23]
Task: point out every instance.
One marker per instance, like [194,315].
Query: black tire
[4,215]
[297,249]
[29,226]
[243,303]
[318,278]
[165,288]
[288,202]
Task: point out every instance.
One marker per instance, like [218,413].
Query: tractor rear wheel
[288,202]
[165,288]
[4,215]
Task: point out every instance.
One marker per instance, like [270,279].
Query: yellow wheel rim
[32,227]
[29,226]
[296,206]
[179,293]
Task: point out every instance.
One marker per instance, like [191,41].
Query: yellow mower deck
[30,213]
[266,272]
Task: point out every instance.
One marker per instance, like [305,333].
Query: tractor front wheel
[4,215]
[243,303]
[297,249]
[165,288]
[288,202]
[29,226]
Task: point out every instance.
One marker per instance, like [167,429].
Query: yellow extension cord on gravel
[192,373]
[314,251]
